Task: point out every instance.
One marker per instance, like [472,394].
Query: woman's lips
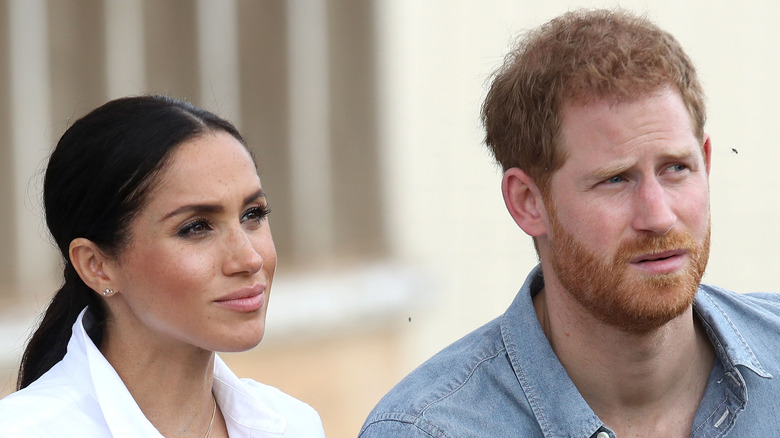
[244,300]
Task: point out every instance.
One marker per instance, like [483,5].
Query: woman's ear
[524,201]
[91,264]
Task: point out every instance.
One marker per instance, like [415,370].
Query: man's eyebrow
[680,155]
[211,208]
[611,170]
[608,171]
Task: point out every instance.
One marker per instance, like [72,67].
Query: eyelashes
[256,214]
[672,169]
[252,218]
[197,227]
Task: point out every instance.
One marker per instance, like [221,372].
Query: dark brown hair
[97,180]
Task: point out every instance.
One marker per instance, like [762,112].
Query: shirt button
[602,435]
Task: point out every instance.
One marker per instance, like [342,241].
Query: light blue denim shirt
[504,380]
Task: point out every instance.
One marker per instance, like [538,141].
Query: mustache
[653,244]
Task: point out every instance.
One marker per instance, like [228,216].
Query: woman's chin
[242,343]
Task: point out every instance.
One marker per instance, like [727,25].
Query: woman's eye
[255,214]
[194,229]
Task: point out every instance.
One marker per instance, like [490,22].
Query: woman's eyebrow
[211,208]
[254,196]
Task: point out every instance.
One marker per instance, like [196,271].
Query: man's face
[628,212]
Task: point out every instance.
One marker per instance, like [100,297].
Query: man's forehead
[618,126]
[614,106]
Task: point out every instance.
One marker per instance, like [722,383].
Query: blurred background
[392,236]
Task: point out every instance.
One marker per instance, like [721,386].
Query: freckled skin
[624,238]
[635,183]
[183,259]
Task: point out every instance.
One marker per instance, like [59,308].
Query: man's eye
[614,180]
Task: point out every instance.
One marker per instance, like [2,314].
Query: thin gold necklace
[213,414]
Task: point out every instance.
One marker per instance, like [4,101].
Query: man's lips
[663,262]
[657,256]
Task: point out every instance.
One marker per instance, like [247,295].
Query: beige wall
[436,56]
[432,122]
[410,246]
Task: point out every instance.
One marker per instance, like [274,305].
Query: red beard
[612,293]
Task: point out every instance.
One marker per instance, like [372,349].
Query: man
[597,119]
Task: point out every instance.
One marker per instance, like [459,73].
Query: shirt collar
[241,409]
[555,401]
[120,411]
[245,414]
[722,327]
[557,404]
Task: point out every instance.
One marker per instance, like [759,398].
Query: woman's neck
[170,382]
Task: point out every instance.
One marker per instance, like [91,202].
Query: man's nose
[653,211]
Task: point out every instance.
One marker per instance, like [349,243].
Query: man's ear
[524,201]
[91,264]
[706,149]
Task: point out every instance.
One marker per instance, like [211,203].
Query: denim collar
[555,401]
[730,345]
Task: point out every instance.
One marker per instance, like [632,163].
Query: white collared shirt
[83,396]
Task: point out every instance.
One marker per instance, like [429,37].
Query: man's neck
[637,384]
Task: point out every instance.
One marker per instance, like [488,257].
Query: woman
[160,217]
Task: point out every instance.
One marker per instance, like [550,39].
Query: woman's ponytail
[49,343]
[97,179]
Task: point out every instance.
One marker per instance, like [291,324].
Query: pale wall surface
[447,210]
[443,208]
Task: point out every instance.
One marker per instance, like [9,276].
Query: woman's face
[199,267]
